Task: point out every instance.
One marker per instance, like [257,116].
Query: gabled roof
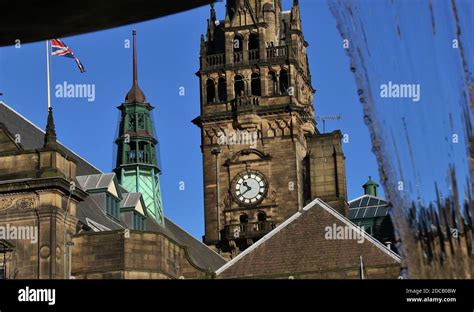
[299,245]
[134,201]
[100,182]
[96,181]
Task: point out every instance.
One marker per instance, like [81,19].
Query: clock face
[250,188]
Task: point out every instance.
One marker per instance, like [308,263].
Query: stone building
[78,222]
[88,225]
[274,186]
[263,156]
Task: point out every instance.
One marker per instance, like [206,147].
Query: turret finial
[135,94]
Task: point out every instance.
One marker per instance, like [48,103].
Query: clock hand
[247,186]
[248,189]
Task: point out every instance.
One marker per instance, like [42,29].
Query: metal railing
[215,60]
[140,157]
[249,230]
[254,55]
[277,52]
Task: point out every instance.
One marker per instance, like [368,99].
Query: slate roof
[130,200]
[368,206]
[90,210]
[32,138]
[95,181]
[299,245]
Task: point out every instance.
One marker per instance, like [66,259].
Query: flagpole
[48,74]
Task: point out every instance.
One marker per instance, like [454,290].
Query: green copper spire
[137,167]
[370,187]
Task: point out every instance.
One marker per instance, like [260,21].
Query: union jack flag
[59,48]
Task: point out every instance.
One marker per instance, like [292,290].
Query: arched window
[210,91]
[237,44]
[239,86]
[131,121]
[141,122]
[272,84]
[284,82]
[132,154]
[255,85]
[222,90]
[261,216]
[253,47]
[244,218]
[142,154]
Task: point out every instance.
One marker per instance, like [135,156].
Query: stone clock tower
[263,155]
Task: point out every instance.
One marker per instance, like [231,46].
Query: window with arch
[261,216]
[222,90]
[244,218]
[256,85]
[239,86]
[143,153]
[131,121]
[141,122]
[210,91]
[237,44]
[253,47]
[284,81]
[272,83]
[131,153]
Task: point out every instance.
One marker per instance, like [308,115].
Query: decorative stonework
[277,127]
[213,134]
[5,203]
[272,194]
[20,203]
[227,201]
[45,251]
[25,203]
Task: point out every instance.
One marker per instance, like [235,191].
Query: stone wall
[124,254]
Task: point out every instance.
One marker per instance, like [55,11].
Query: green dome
[370,187]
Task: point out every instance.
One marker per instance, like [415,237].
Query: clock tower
[263,155]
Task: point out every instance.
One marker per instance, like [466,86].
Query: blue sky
[168,50]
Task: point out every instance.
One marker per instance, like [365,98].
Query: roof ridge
[265,238]
[366,235]
[295,216]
